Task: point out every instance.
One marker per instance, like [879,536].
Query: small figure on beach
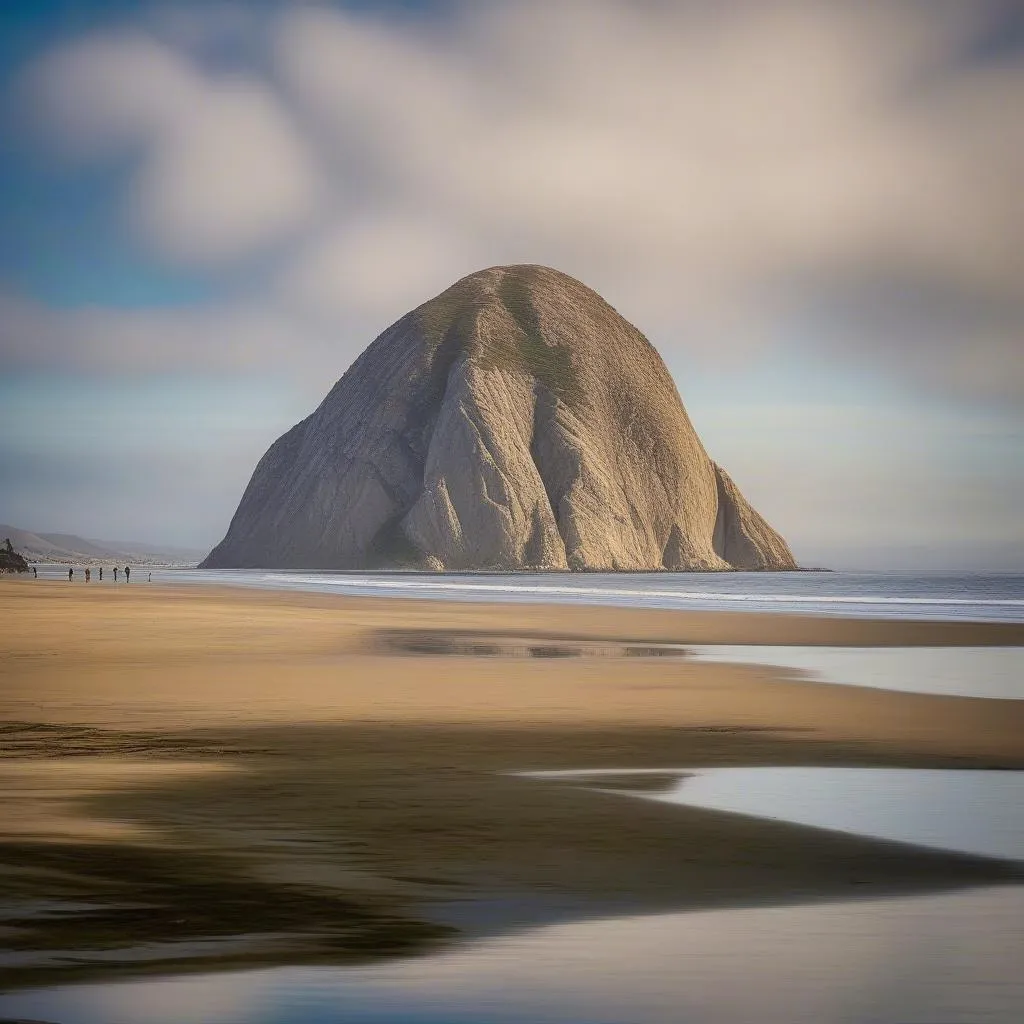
[149,577]
[35,573]
[71,574]
[115,573]
[127,573]
[101,574]
[88,575]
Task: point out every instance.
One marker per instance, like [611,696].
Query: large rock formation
[515,421]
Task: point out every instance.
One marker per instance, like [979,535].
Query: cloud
[383,264]
[224,180]
[728,175]
[698,164]
[247,336]
[220,169]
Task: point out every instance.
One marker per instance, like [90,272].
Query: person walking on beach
[88,575]
[149,578]
[115,573]
[35,573]
[127,573]
[101,574]
[71,575]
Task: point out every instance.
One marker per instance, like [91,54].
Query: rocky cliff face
[515,421]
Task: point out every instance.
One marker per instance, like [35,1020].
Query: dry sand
[287,777]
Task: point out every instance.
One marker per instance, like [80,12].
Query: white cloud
[247,336]
[387,264]
[707,167]
[227,178]
[220,168]
[697,164]
[108,93]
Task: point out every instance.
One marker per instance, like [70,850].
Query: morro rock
[515,421]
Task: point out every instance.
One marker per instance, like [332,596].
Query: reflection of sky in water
[996,672]
[946,959]
[972,811]
[950,959]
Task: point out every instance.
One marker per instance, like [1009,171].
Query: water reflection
[941,959]
[980,812]
[952,959]
[994,672]
[970,811]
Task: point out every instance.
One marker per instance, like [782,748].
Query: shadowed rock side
[10,560]
[515,421]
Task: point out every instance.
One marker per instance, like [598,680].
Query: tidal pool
[970,811]
[992,672]
[950,958]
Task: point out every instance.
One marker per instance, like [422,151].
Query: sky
[812,209]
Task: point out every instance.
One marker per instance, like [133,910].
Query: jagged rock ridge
[515,421]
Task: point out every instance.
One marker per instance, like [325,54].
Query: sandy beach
[199,777]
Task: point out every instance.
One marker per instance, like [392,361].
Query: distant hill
[69,547]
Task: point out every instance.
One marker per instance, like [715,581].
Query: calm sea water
[978,597]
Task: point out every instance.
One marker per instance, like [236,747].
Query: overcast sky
[813,210]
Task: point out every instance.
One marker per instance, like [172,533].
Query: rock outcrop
[515,421]
[10,560]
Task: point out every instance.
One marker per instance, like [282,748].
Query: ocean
[972,597]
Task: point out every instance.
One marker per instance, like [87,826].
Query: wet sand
[284,777]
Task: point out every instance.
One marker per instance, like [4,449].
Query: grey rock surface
[515,421]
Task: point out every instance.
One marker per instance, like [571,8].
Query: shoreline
[977,605]
[599,621]
[272,739]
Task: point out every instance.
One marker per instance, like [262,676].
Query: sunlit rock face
[515,421]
